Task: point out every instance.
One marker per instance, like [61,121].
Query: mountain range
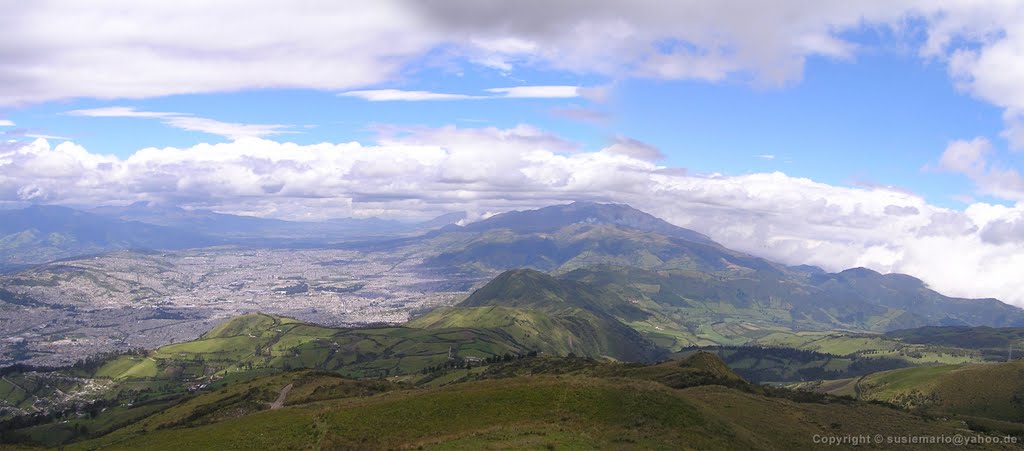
[682,281]
[676,286]
[39,234]
[597,325]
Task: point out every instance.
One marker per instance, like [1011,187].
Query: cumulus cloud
[6,123]
[897,210]
[426,171]
[391,95]
[113,49]
[967,157]
[972,158]
[189,122]
[633,148]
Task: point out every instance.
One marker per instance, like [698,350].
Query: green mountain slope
[555,316]
[578,404]
[995,344]
[696,281]
[987,390]
[563,237]
[857,300]
[262,341]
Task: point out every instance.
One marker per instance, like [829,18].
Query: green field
[261,341]
[988,390]
[869,346]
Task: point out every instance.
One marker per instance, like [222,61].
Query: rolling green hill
[577,404]
[554,316]
[763,365]
[272,382]
[854,300]
[696,281]
[993,391]
[994,344]
[268,342]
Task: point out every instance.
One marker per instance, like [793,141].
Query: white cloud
[188,122]
[538,92]
[114,49]
[972,158]
[44,136]
[983,43]
[765,156]
[6,123]
[120,111]
[967,157]
[390,95]
[425,171]
[518,92]
[633,148]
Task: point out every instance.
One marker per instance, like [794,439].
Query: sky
[884,134]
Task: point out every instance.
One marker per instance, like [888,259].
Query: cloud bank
[974,253]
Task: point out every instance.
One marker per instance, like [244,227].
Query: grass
[869,346]
[569,404]
[259,341]
[986,390]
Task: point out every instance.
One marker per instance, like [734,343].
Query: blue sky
[834,133]
[880,118]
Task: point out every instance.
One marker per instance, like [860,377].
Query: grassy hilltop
[529,403]
[276,383]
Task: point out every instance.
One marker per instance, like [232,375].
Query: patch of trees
[460,363]
[792,365]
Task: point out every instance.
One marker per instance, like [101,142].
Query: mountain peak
[710,363]
[517,287]
[860,272]
[552,218]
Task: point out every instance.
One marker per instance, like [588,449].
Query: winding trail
[279,402]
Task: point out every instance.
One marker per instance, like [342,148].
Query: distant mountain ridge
[552,218]
[44,233]
[252,228]
[859,299]
[683,288]
[688,280]
[563,237]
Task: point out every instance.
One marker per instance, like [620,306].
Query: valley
[64,311]
[591,304]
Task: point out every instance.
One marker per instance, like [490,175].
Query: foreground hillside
[562,404]
[259,381]
[992,391]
